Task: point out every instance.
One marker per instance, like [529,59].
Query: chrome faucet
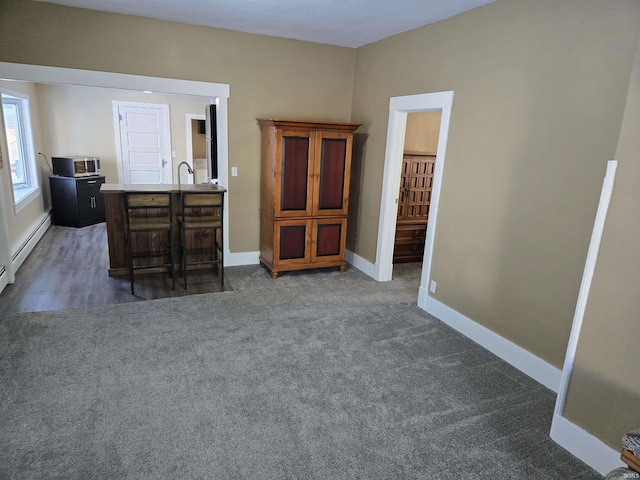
[188,169]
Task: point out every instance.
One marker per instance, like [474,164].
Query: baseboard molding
[28,245]
[422,296]
[361,264]
[4,278]
[241,258]
[585,446]
[523,360]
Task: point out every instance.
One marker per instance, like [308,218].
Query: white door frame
[214,92]
[168,171]
[399,107]
[190,117]
[8,275]
[569,436]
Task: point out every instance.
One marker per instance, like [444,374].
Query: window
[22,162]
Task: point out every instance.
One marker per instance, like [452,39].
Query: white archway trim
[92,78]
[215,92]
[399,107]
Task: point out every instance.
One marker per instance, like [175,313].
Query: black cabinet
[77,202]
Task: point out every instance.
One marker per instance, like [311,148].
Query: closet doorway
[416,185]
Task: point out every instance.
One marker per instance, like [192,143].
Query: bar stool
[147,215]
[201,234]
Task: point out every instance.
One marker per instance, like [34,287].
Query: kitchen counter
[174,188]
[113,194]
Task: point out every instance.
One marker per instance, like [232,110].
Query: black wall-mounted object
[212,141]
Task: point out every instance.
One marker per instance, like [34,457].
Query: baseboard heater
[30,237]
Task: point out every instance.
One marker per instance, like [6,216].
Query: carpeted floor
[312,376]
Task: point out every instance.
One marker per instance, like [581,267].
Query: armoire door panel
[328,241]
[295,172]
[332,166]
[329,237]
[292,241]
[332,169]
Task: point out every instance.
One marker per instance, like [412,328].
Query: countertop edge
[107,188]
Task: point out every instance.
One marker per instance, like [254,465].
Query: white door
[143,141]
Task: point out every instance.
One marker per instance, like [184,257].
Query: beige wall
[268,77]
[540,88]
[79,121]
[606,377]
[422,132]
[24,222]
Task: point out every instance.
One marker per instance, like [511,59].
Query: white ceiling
[349,23]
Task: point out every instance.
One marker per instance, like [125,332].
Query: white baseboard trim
[241,258]
[28,245]
[523,360]
[585,446]
[4,279]
[361,264]
[422,297]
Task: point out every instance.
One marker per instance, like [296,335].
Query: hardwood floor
[68,269]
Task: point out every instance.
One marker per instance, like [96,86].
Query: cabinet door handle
[92,181]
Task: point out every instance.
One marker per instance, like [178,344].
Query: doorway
[196,147]
[399,108]
[213,92]
[414,199]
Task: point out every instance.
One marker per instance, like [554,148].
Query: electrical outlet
[173,154]
[234,171]
[432,287]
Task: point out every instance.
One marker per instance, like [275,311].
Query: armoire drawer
[413,234]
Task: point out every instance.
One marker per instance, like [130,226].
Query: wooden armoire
[413,206]
[304,196]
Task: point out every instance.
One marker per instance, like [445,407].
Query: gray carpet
[318,375]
